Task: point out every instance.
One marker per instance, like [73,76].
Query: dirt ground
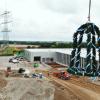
[25,88]
[3,83]
[75,89]
[61,93]
[56,65]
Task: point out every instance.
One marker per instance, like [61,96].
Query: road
[4,63]
[75,90]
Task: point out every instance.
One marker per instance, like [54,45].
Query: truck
[62,75]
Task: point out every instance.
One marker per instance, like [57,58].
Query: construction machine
[62,75]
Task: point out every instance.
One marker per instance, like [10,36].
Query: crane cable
[89,14]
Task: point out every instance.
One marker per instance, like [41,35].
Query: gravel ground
[3,83]
[27,89]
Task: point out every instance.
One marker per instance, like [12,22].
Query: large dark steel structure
[93,43]
[91,30]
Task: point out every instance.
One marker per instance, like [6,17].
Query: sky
[47,20]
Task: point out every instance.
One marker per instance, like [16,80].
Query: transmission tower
[5,29]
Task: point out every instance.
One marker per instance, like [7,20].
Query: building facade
[61,56]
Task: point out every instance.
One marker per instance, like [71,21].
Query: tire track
[80,92]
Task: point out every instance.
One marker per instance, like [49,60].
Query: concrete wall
[62,58]
[42,55]
[30,55]
[58,57]
[27,55]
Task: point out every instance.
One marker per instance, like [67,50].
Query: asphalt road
[4,63]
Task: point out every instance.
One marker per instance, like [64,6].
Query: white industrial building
[62,56]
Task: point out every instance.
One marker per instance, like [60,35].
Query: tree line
[45,44]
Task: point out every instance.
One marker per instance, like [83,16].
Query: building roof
[46,50]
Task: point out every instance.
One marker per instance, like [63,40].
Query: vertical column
[99,50]
[77,63]
[88,57]
[74,50]
[94,63]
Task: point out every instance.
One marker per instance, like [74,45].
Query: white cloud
[48,19]
[62,6]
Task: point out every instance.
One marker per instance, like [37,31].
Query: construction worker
[8,71]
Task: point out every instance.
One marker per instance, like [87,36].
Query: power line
[5,29]
[5,16]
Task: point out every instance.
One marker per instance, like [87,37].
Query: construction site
[51,73]
[26,80]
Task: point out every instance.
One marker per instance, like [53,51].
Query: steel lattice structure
[5,30]
[91,30]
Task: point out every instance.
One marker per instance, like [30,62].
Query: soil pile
[3,83]
[28,89]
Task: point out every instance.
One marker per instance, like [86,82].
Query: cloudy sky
[48,20]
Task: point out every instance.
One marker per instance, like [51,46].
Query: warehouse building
[61,56]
